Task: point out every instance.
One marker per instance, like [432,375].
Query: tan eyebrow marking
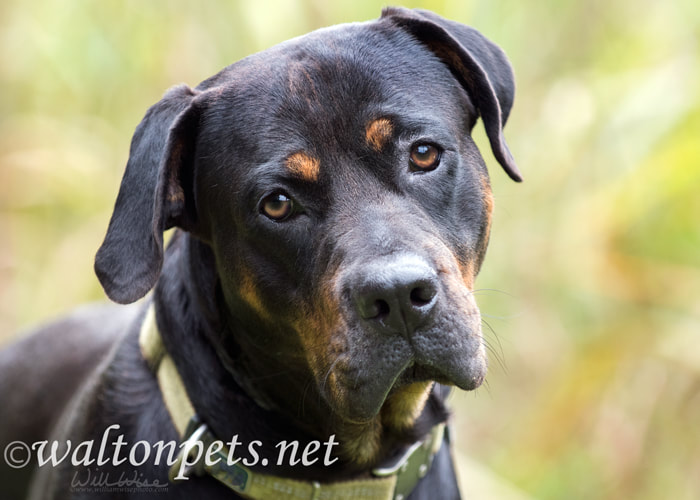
[304,166]
[378,132]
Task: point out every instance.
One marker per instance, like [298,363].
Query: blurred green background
[591,289]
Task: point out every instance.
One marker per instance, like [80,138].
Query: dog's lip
[417,372]
[364,410]
[467,376]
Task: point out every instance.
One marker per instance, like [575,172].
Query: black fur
[260,316]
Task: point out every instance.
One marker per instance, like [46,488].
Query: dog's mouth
[358,395]
[467,379]
[415,373]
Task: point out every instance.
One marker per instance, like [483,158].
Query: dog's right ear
[156,193]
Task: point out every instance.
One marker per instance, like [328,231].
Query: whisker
[496,350]
[487,387]
[328,374]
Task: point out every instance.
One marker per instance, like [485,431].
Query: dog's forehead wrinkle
[341,76]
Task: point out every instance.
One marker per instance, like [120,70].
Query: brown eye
[424,157]
[277,206]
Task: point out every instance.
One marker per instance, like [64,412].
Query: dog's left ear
[478,64]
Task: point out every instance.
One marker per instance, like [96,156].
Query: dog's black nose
[395,296]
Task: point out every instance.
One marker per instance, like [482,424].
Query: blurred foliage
[591,290]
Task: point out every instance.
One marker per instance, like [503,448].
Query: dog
[315,300]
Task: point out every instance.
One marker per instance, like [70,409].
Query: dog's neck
[257,396]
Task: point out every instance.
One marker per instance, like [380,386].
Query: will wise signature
[87,478]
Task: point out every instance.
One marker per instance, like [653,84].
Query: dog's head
[346,206]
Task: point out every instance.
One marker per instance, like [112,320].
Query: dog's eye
[277,206]
[424,157]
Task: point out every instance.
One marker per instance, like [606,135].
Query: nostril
[382,308]
[422,295]
[373,309]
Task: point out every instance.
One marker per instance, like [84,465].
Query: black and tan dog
[333,212]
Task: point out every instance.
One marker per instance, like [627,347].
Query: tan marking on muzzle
[250,294]
[402,408]
[488,203]
[361,443]
[378,132]
[304,166]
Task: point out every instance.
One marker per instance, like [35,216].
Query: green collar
[390,482]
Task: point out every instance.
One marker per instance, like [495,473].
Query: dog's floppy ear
[155,194]
[480,66]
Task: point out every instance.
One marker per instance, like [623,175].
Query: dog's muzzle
[405,323]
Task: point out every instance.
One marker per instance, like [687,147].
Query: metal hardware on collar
[414,463]
[186,449]
[400,463]
[234,475]
[316,490]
